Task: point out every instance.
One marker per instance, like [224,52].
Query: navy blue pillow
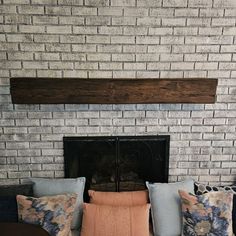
[8,209]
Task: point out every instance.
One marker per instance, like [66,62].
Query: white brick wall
[118,39]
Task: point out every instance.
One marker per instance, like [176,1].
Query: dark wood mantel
[111,91]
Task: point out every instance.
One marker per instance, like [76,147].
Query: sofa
[165,221]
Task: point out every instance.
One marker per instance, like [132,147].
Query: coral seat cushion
[131,198]
[102,220]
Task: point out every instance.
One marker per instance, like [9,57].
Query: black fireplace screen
[117,163]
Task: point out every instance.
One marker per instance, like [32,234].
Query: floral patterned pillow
[207,214]
[52,213]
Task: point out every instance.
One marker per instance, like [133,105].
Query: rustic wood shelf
[111,91]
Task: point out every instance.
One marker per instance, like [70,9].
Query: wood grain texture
[111,91]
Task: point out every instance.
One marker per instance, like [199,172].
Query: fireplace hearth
[121,163]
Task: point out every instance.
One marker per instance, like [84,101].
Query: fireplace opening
[121,163]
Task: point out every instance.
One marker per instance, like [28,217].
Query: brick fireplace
[119,39]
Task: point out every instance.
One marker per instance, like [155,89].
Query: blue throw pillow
[8,209]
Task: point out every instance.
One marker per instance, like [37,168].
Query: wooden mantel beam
[111,91]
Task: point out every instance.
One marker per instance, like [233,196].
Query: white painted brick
[10,65]
[175,3]
[86,65]
[147,57]
[122,40]
[56,10]
[173,21]
[207,48]
[135,31]
[171,74]
[135,48]
[68,57]
[229,31]
[83,48]
[158,66]
[100,74]
[70,2]
[49,38]
[148,21]
[32,47]
[171,57]
[19,38]
[211,12]
[109,30]
[123,57]
[181,65]
[188,12]
[98,20]
[32,29]
[183,48]
[72,39]
[227,66]
[110,66]
[9,46]
[8,28]
[199,22]
[205,128]
[159,49]
[135,66]
[139,12]
[200,3]
[100,122]
[44,20]
[59,29]
[162,12]
[223,22]
[123,21]
[230,12]
[44,2]
[149,3]
[160,31]
[108,11]
[209,40]
[123,3]
[97,3]
[185,31]
[20,19]
[20,56]
[109,48]
[98,57]
[84,30]
[35,65]
[88,130]
[210,31]
[228,48]
[31,10]
[224,3]
[64,130]
[84,11]
[123,122]
[195,74]
[172,40]
[219,57]
[123,74]
[47,56]
[61,65]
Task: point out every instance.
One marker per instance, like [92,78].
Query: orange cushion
[101,220]
[119,198]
